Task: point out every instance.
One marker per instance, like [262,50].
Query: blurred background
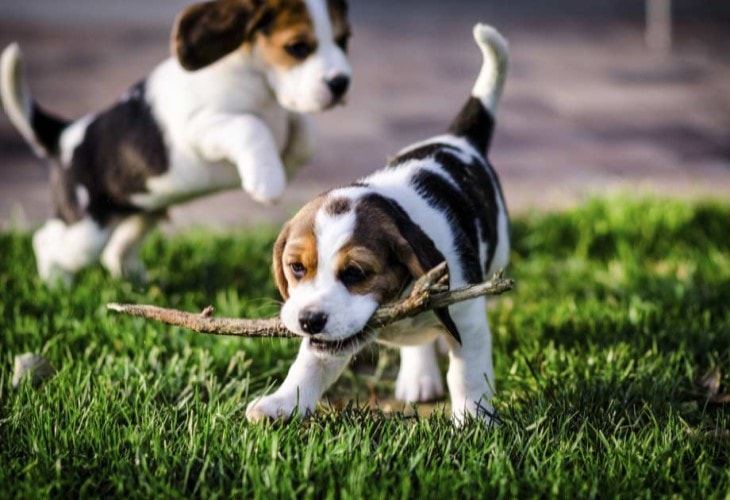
[602,96]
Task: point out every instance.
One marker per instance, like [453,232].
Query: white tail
[15,96]
[490,82]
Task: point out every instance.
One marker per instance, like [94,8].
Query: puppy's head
[339,259]
[300,45]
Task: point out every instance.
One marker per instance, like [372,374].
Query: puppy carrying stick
[354,248]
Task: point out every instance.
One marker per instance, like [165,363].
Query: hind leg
[419,378]
[62,250]
[121,254]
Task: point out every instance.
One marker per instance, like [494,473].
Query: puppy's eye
[299,50]
[298,270]
[343,41]
[352,275]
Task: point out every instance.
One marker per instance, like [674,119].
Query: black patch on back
[122,148]
[459,211]
[47,128]
[475,124]
[479,195]
[474,200]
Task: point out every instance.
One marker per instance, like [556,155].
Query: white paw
[265,184]
[482,412]
[274,407]
[45,243]
[113,264]
[419,387]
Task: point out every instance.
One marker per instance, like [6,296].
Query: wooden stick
[428,292]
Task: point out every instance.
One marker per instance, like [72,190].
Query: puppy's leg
[471,375]
[300,146]
[308,378]
[419,378]
[245,141]
[121,254]
[61,250]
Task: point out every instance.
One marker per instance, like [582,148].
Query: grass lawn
[619,306]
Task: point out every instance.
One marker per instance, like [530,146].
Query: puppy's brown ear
[207,31]
[413,248]
[278,265]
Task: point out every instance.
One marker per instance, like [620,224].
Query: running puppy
[355,248]
[224,111]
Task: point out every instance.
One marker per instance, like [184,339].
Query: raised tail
[475,121]
[41,129]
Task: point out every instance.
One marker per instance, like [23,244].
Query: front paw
[265,184]
[481,412]
[274,407]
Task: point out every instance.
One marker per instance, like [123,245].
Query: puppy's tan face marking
[288,37]
[295,251]
[299,44]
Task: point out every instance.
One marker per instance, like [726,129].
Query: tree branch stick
[428,292]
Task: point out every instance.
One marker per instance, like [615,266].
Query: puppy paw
[265,183]
[274,407]
[483,413]
[46,242]
[419,387]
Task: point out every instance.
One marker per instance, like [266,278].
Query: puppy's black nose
[312,321]
[338,85]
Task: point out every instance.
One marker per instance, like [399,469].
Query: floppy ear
[207,31]
[277,264]
[414,249]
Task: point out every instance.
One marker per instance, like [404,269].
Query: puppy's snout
[338,86]
[312,321]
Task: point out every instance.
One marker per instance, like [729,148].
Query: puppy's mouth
[349,345]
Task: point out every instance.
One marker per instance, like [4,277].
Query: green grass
[619,305]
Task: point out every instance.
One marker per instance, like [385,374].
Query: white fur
[490,82]
[470,376]
[71,137]
[82,196]
[120,256]
[61,250]
[293,395]
[16,95]
[419,378]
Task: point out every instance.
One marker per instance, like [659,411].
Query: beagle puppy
[224,111]
[357,247]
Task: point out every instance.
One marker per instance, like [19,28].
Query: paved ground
[587,108]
